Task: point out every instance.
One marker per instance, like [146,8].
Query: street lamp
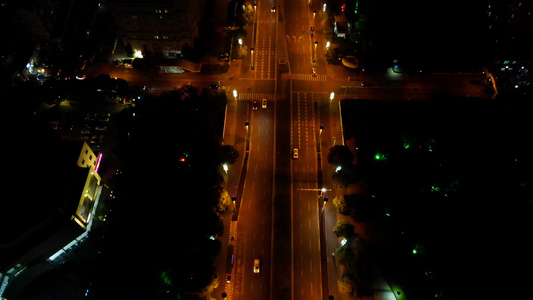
[240,42]
[331,96]
[225,167]
[235,94]
[327,45]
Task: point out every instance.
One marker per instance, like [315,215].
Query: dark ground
[466,203]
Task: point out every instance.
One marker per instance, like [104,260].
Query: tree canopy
[340,155]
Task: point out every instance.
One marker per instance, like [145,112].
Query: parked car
[224,57]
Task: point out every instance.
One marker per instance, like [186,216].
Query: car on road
[313,72]
[214,86]
[256,265]
[264,103]
[295,153]
[273,9]
[365,83]
[254,105]
[228,279]
[224,56]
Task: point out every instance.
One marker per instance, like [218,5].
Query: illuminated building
[158,28]
[53,192]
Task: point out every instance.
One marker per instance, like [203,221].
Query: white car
[295,153]
[256,265]
[264,103]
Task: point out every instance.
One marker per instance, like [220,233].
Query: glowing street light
[331,96]
[240,41]
[225,167]
[235,94]
[327,45]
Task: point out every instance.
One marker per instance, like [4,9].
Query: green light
[380,156]
[387,214]
[165,278]
[406,145]
[414,251]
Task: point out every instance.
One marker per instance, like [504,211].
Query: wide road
[254,226]
[305,92]
[305,231]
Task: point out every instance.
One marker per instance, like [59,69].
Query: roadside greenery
[166,228]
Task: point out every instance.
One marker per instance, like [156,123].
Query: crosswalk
[308,77]
[256,96]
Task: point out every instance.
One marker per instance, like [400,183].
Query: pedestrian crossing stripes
[256,96]
[308,77]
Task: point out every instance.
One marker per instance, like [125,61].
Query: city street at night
[266,149]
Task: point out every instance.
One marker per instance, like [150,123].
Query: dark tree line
[159,241]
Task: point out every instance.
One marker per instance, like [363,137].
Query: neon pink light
[98,162]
